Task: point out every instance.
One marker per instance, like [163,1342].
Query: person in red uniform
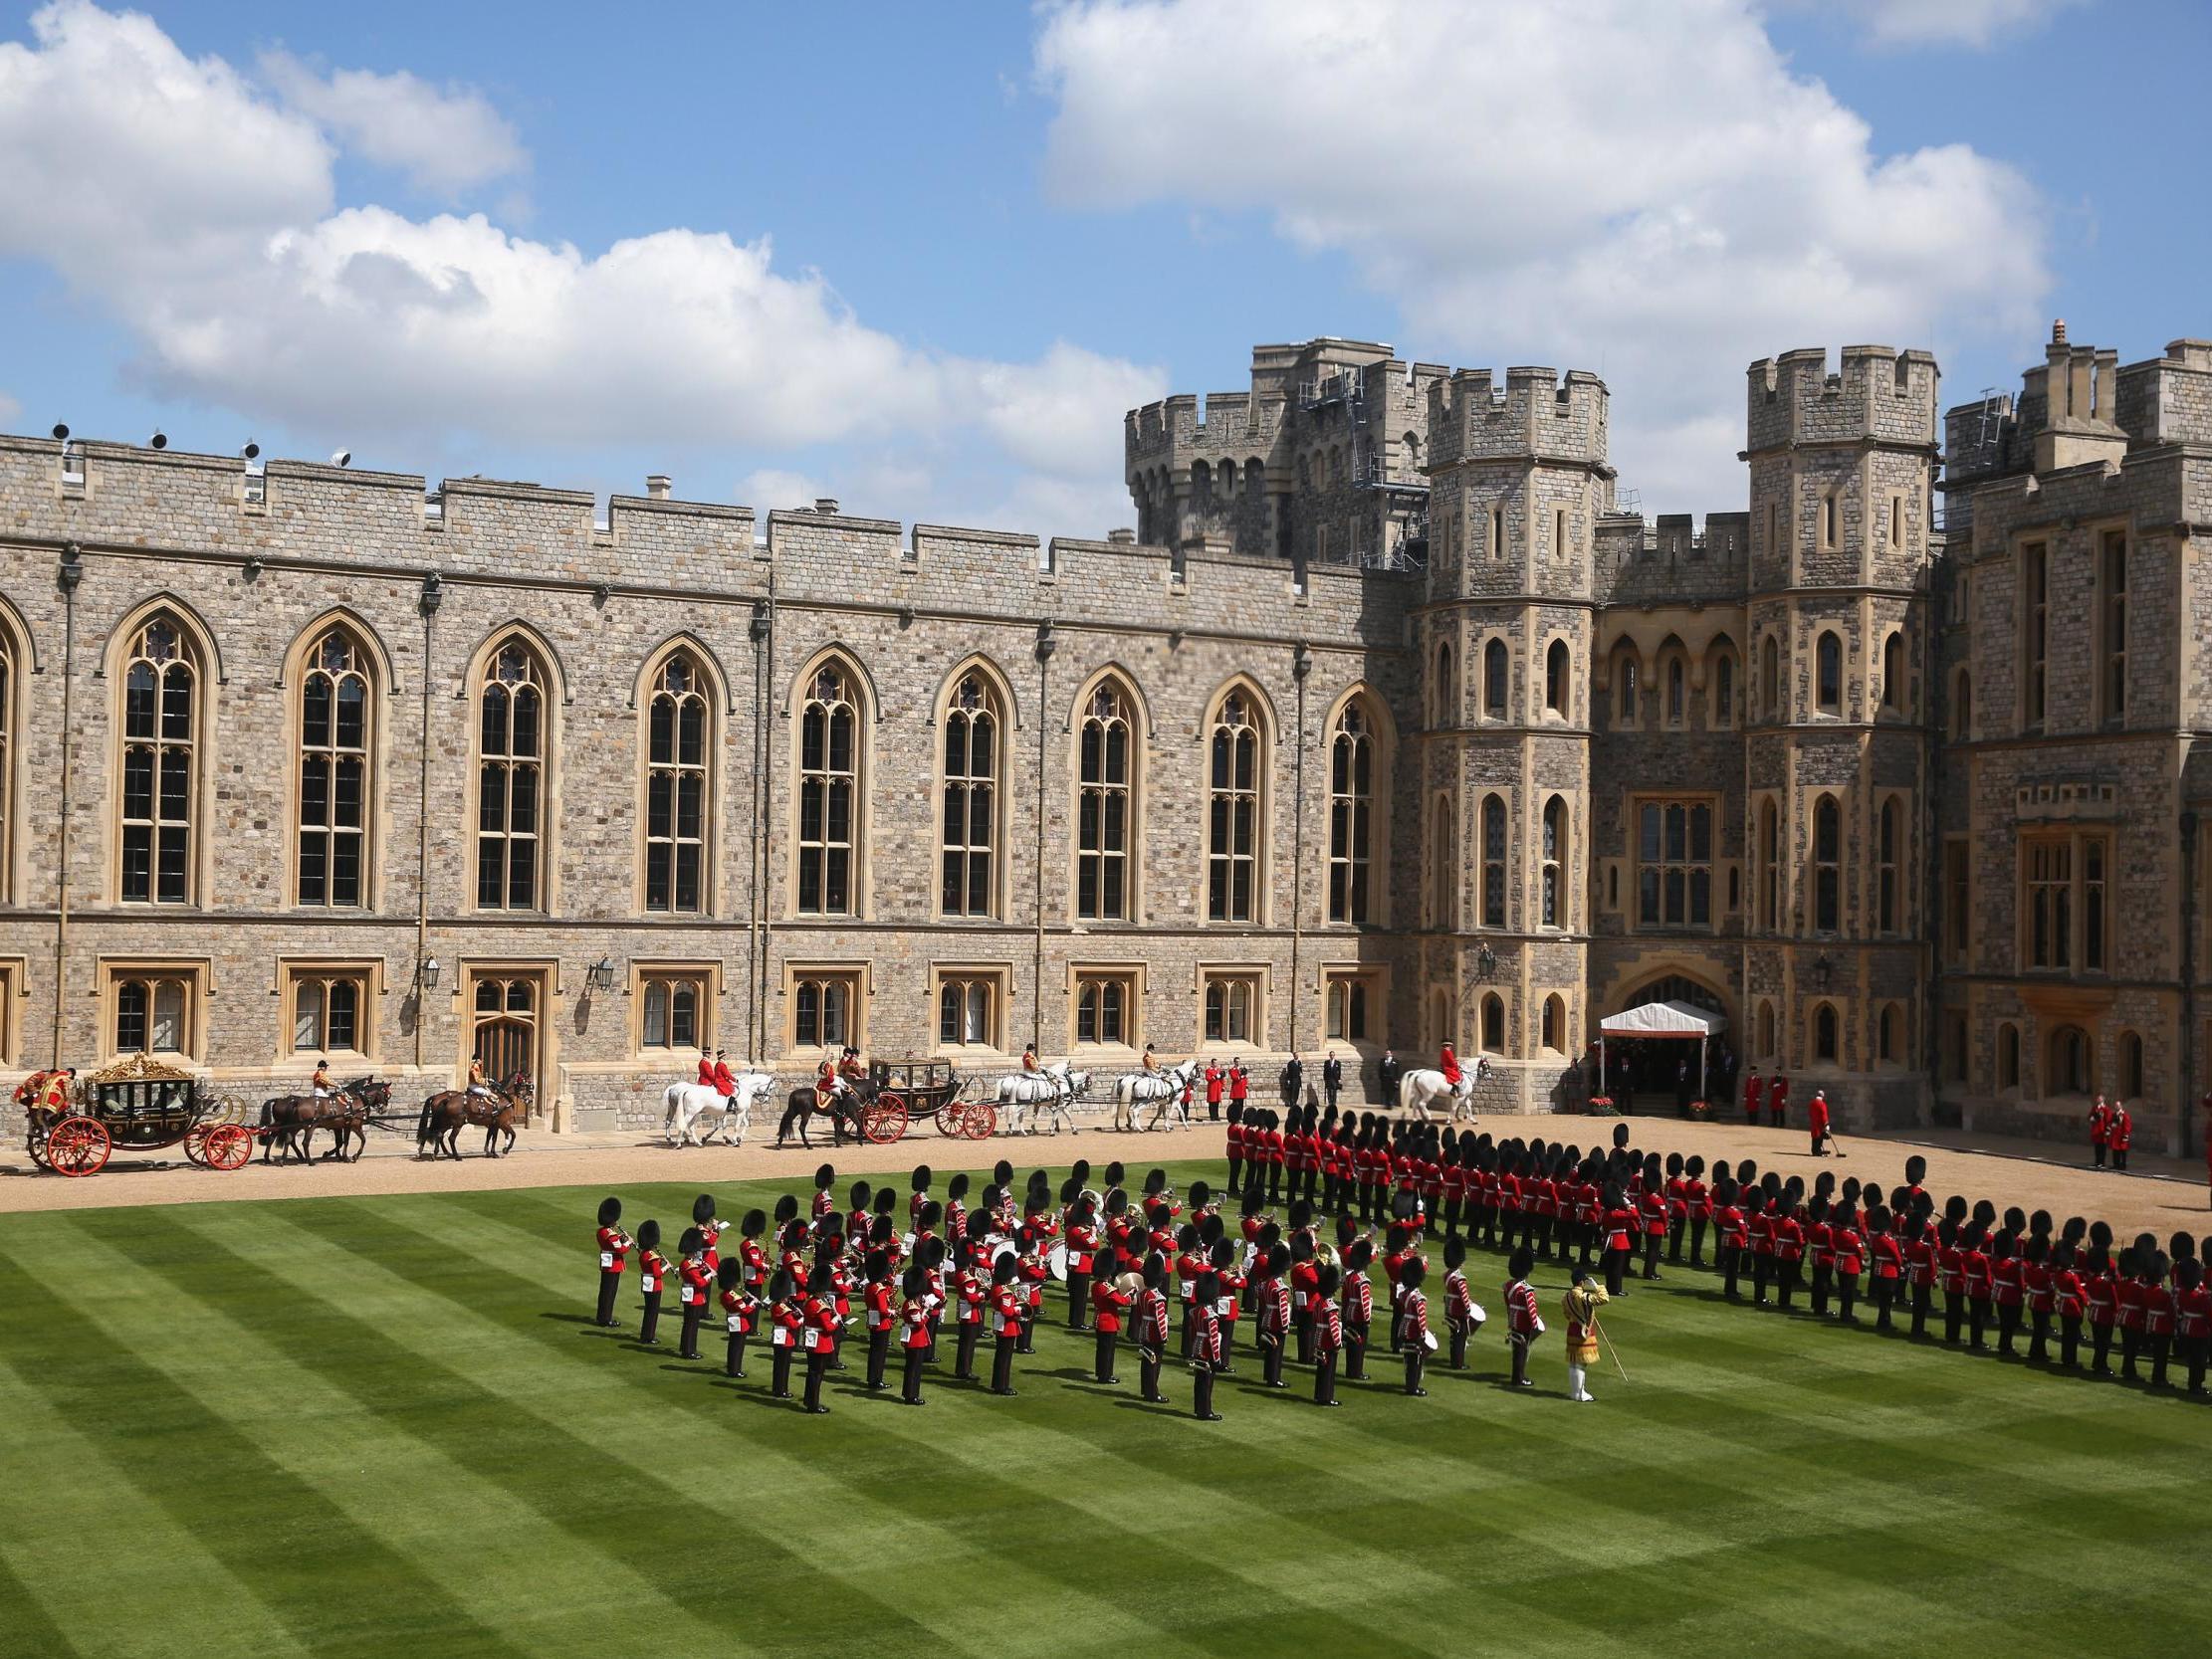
[1213,1083]
[1885,1255]
[818,1333]
[1924,1256]
[1007,1306]
[786,1318]
[1977,1272]
[2008,1288]
[1778,1100]
[1356,1302]
[880,1304]
[2036,1289]
[741,1310]
[724,1081]
[1816,1120]
[1463,1314]
[1620,1238]
[915,1308]
[1206,1346]
[2100,1290]
[2120,1133]
[705,1070]
[2100,1124]
[1109,1306]
[614,1249]
[2192,1321]
[653,1269]
[2204,1111]
[1271,1285]
[1731,1235]
[2069,1300]
[1414,1336]
[1239,1083]
[1751,1097]
[1651,1210]
[1151,1333]
[1449,1064]
[1328,1339]
[695,1289]
[1524,1324]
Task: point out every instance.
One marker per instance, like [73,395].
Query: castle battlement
[1878,394]
[1539,413]
[1174,432]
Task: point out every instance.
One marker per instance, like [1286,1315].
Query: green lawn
[381,1425]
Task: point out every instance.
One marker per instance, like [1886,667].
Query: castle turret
[1843,467]
[1519,482]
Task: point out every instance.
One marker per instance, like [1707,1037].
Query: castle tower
[1518,480]
[1837,755]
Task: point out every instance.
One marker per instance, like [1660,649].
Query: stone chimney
[1125,538]
[657,486]
[827,506]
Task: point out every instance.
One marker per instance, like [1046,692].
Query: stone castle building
[1386,725]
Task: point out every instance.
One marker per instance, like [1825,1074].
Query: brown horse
[352,1107]
[447,1112]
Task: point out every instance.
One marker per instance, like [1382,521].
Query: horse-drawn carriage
[880,1107]
[145,1105]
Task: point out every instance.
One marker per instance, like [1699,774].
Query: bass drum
[1057,1262]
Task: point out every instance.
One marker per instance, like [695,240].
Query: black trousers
[2070,1341]
[1302,1322]
[1002,1366]
[1416,1362]
[610,1284]
[1235,1170]
[1027,1344]
[1822,1279]
[688,1349]
[1520,1345]
[1675,1231]
[1201,1393]
[1270,1358]
[1730,1260]
[2008,1325]
[1697,1241]
[1616,1267]
[1785,1280]
[1847,1295]
[2194,1352]
[1078,1300]
[817,1362]
[734,1365]
[2039,1334]
[1355,1352]
[649,1331]
[1460,1334]
[2100,1350]
[1923,1301]
[1977,1320]
[912,1391]
[1955,1313]
[1190,1332]
[780,1379]
[1102,1364]
[1324,1377]
[1148,1374]
[2130,1349]
[879,1355]
[1228,1348]
[964,1351]
[2097,1155]
[2161,1350]
[1762,1269]
[1652,1243]
[2119,1157]
[1885,1295]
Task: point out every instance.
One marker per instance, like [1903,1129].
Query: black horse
[842,1111]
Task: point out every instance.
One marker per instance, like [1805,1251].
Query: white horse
[1020,1091]
[1060,1107]
[1163,1091]
[1417,1088]
[686,1105]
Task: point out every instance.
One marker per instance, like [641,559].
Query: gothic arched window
[335,709]
[829,785]
[679,787]
[161,736]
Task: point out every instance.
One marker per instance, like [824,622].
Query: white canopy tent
[1661,1019]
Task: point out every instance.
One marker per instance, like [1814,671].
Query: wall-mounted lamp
[426,973]
[600,976]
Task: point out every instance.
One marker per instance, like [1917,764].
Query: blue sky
[919,258]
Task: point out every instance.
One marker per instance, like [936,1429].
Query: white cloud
[1975,23]
[1648,191]
[445,140]
[201,214]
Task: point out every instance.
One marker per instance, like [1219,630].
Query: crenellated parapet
[1538,413]
[1878,395]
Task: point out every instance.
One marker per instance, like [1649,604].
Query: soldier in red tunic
[1849,1245]
[1152,1331]
[1006,1307]
[2120,1133]
[614,1247]
[2069,1293]
[786,1318]
[1815,1121]
[1778,1100]
[695,1289]
[818,1333]
[740,1309]
[1463,1314]
[914,1309]
[1789,1244]
[1751,1095]
[880,1304]
[1732,1238]
[1415,1338]
[2158,1316]
[1524,1324]
[2100,1124]
[2192,1319]
[1620,1238]
[2101,1292]
[1328,1339]
[652,1268]
[1206,1346]
[1356,1301]
[1271,1286]
[1110,1303]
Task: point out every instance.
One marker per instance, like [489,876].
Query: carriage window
[328,1011]
[967,1012]
[1104,808]
[1102,1007]
[828,793]
[334,710]
[1351,816]
[1230,1003]
[672,1009]
[679,747]
[1232,817]
[970,795]
[822,1008]
[153,1011]
[160,735]
[509,782]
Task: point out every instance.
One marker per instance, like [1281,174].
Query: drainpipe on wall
[71,572]
[2186,1128]
[433,595]
[758,632]
[768,830]
[1301,665]
[1047,645]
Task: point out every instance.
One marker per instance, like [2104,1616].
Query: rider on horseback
[1029,1058]
[1449,1064]
[478,1083]
[721,1079]
[321,1084]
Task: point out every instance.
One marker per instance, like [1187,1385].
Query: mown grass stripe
[25,1625]
[633,1516]
[338,1587]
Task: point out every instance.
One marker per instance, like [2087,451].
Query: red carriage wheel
[950,1116]
[884,1119]
[979,1122]
[77,1146]
[195,1142]
[229,1146]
